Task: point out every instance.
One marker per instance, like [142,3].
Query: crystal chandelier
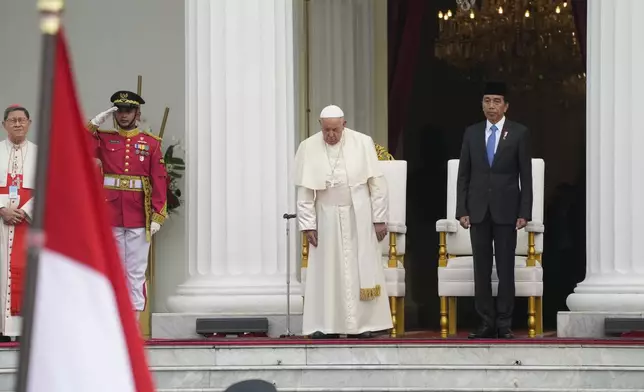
[520,41]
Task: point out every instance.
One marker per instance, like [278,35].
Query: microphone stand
[288,217]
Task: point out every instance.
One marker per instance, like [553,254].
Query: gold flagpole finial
[50,11]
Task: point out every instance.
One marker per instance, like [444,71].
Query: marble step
[427,367]
[407,377]
[404,354]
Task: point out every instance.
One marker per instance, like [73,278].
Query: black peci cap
[495,88]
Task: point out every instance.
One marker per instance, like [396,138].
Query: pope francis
[342,208]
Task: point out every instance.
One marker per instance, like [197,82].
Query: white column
[344,64]
[615,163]
[240,144]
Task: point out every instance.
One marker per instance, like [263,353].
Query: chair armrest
[397,227]
[447,226]
[535,227]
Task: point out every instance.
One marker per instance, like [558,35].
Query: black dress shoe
[320,335]
[506,333]
[364,335]
[484,332]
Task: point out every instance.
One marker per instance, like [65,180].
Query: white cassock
[20,162]
[341,194]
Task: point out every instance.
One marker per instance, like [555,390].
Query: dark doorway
[539,58]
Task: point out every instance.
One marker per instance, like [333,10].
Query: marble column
[239,148]
[348,64]
[614,283]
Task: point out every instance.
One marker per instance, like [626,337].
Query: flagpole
[50,20]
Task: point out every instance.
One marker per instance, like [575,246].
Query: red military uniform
[133,168]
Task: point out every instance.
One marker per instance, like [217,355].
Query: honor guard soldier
[134,178]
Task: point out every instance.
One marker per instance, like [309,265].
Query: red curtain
[405,20]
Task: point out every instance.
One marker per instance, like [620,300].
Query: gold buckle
[124,183]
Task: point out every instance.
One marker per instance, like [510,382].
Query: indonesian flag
[85,335]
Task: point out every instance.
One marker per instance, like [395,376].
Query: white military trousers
[133,249]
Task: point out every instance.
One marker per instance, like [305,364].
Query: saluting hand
[101,117]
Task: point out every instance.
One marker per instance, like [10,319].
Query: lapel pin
[505,134]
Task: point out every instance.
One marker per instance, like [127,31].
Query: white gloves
[101,117]
[154,228]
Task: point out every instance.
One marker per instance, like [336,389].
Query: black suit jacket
[481,187]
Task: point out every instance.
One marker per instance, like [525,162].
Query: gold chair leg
[392,306]
[305,251]
[400,316]
[444,318]
[539,316]
[451,315]
[531,317]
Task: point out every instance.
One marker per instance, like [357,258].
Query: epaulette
[153,135]
[107,131]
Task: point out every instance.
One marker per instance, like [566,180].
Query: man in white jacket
[342,208]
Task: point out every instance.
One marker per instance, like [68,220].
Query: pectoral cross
[332,182]
[17,182]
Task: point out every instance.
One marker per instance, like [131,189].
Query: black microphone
[289,216]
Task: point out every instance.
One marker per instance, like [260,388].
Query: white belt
[122,183]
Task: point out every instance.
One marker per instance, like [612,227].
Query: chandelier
[524,42]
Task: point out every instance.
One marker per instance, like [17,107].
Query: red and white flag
[85,335]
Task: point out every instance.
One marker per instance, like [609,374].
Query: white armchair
[455,261]
[393,246]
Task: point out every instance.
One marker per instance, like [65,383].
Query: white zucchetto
[331,111]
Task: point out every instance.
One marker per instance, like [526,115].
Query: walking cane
[288,217]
